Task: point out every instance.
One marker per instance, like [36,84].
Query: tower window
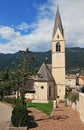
[58,48]
[57,36]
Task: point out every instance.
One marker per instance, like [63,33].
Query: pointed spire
[58,23]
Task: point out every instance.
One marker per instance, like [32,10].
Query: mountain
[74,59]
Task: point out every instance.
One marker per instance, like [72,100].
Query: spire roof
[58,23]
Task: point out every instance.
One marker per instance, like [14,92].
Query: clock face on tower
[58,55]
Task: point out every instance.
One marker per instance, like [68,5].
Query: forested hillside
[74,59]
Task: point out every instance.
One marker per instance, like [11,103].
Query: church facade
[49,82]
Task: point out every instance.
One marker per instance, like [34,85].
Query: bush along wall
[74,96]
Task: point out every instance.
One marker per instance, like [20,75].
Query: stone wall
[78,106]
[81,106]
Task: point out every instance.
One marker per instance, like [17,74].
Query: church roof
[49,67]
[58,23]
[44,73]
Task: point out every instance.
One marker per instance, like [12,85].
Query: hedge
[19,116]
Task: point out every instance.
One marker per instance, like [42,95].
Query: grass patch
[44,107]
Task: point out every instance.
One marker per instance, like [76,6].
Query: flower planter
[17,128]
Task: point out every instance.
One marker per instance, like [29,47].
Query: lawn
[44,107]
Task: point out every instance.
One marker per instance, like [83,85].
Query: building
[58,57]
[81,80]
[44,84]
[71,81]
[50,80]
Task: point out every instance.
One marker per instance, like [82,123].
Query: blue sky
[29,24]
[17,11]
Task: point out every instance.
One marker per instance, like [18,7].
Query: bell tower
[58,57]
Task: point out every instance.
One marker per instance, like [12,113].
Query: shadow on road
[31,123]
[57,117]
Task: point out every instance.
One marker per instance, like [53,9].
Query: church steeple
[58,57]
[58,23]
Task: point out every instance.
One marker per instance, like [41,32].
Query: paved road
[5,116]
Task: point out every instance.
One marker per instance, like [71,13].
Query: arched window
[58,48]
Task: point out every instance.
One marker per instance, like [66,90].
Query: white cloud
[73,20]
[23,26]
[8,33]
[39,39]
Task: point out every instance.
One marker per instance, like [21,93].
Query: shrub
[13,101]
[74,96]
[19,116]
[68,92]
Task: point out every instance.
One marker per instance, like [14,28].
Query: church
[49,83]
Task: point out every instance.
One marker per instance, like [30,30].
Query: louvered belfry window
[58,48]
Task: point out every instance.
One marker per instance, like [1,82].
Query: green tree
[6,83]
[23,72]
[1,91]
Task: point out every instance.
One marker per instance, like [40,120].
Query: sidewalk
[62,118]
[5,115]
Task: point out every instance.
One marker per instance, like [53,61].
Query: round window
[42,87]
